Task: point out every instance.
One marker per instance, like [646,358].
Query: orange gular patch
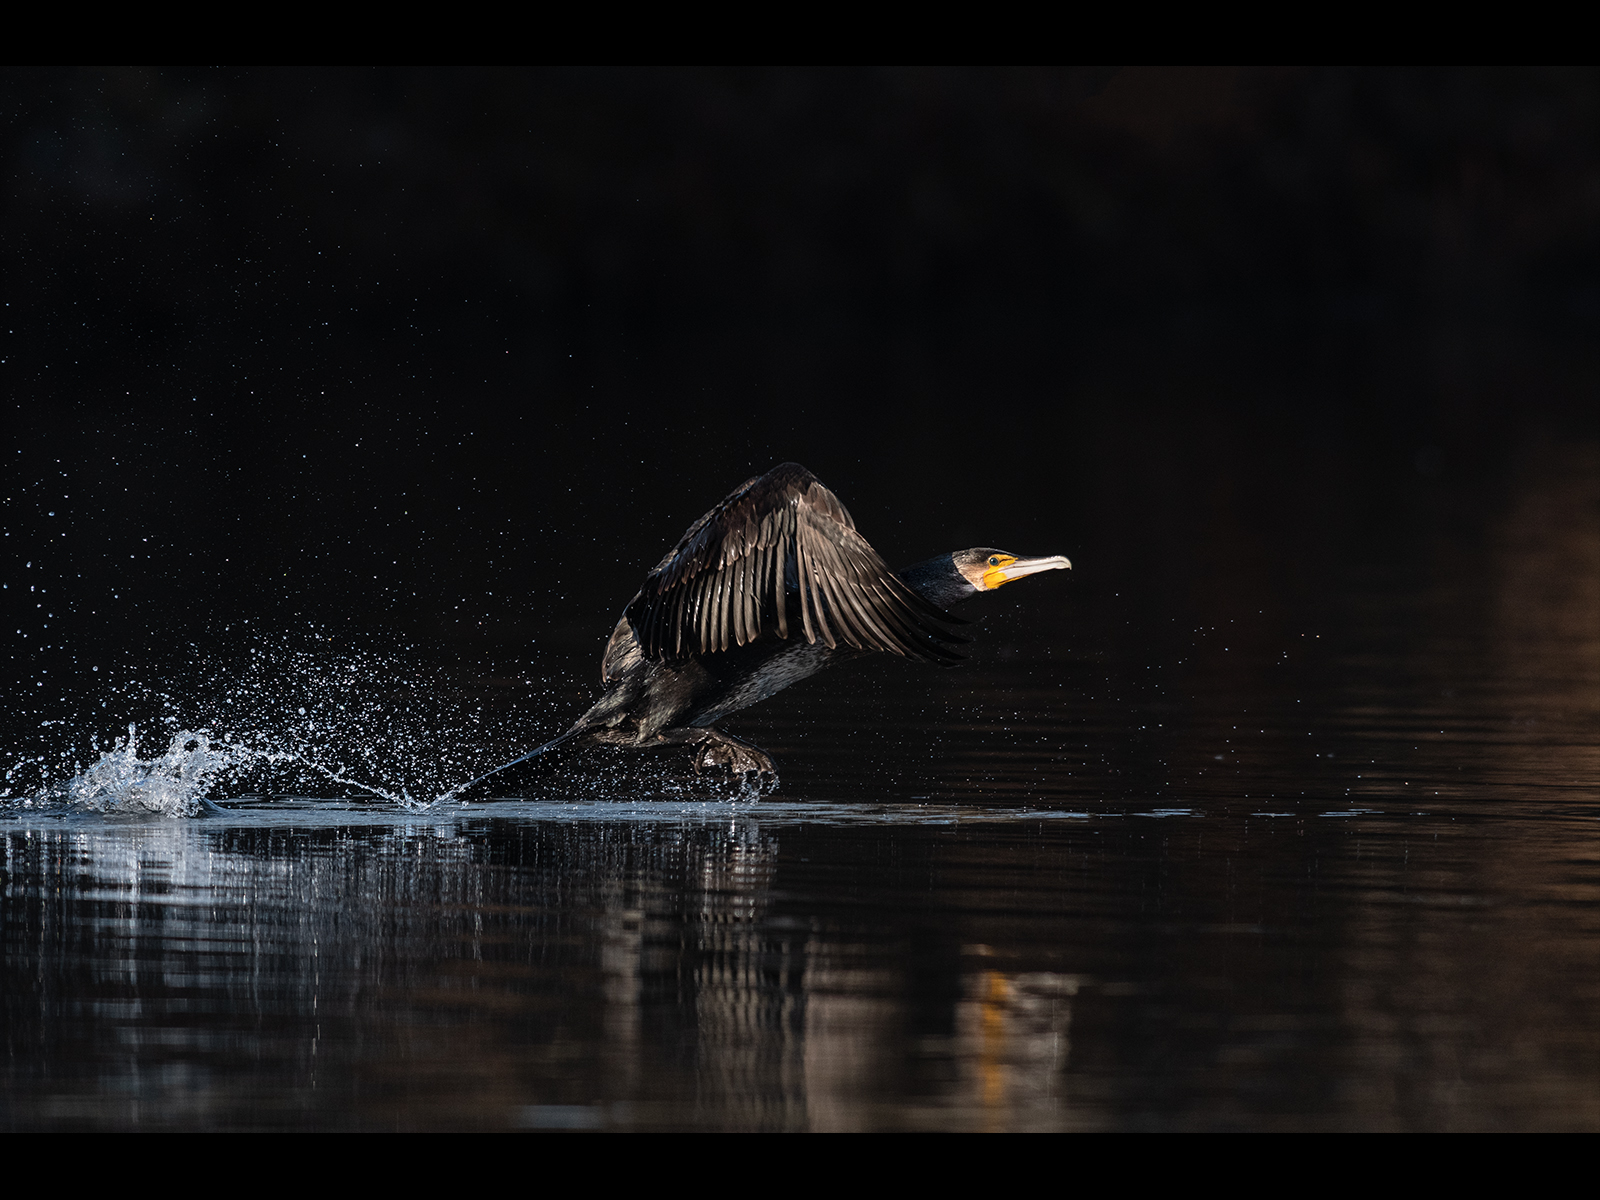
[993,577]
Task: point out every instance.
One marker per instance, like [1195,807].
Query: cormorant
[769,587]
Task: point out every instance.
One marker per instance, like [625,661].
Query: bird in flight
[768,588]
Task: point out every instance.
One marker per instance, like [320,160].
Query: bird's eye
[995,561]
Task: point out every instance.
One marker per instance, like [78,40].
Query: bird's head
[948,579]
[986,568]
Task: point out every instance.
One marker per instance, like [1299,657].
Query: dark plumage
[769,587]
[728,581]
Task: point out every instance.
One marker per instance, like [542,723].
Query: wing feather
[776,585]
[727,582]
[748,590]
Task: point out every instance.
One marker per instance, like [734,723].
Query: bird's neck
[938,582]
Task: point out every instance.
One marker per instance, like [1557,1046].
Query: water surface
[1233,861]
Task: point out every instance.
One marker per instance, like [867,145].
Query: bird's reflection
[612,975]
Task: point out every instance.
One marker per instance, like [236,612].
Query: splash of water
[171,784]
[303,714]
[175,782]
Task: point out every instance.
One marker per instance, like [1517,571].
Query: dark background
[460,353]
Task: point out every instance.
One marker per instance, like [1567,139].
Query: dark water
[1329,861]
[345,410]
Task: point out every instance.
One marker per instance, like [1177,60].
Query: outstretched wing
[781,558]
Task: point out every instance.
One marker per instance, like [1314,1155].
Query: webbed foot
[740,758]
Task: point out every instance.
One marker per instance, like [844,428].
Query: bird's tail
[477,788]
